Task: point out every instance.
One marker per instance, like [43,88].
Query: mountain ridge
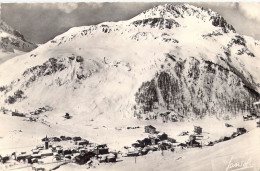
[12,42]
[160,60]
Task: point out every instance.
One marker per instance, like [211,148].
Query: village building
[241,131]
[82,158]
[4,159]
[45,153]
[66,152]
[172,140]
[35,151]
[22,157]
[36,156]
[67,116]
[76,138]
[82,142]
[132,153]
[197,129]
[163,136]
[145,142]
[150,129]
[101,149]
[18,114]
[192,141]
[55,139]
[164,145]
[258,124]
[135,145]
[154,140]
[111,158]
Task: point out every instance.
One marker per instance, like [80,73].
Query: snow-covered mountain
[179,59]
[12,43]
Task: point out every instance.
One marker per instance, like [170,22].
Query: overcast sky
[40,22]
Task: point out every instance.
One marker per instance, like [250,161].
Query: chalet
[67,116]
[184,133]
[154,141]
[36,156]
[182,145]
[63,138]
[164,146]
[226,138]
[101,146]
[4,159]
[145,142]
[111,159]
[197,129]
[55,139]
[258,124]
[172,140]
[18,114]
[107,158]
[33,160]
[66,152]
[40,147]
[45,153]
[235,134]
[132,153]
[210,143]
[241,131]
[152,148]
[150,129]
[192,141]
[144,151]
[22,157]
[35,151]
[76,138]
[68,138]
[82,159]
[135,145]
[163,136]
[228,125]
[82,142]
[101,149]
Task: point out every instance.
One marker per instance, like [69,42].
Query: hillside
[181,60]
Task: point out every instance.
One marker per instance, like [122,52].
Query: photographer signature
[239,165]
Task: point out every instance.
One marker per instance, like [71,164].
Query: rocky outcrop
[196,88]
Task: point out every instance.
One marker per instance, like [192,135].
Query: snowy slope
[12,43]
[99,72]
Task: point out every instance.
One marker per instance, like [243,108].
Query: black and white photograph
[129,86]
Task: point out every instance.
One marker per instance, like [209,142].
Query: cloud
[67,7]
[251,10]
[64,7]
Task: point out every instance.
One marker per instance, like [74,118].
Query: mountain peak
[185,12]
[12,39]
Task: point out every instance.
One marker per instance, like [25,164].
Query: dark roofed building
[241,130]
[76,138]
[150,129]
[197,129]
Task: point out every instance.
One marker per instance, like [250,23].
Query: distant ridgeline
[195,88]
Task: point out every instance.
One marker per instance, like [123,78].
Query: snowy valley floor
[19,135]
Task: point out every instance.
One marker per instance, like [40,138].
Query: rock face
[196,88]
[177,59]
[12,42]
